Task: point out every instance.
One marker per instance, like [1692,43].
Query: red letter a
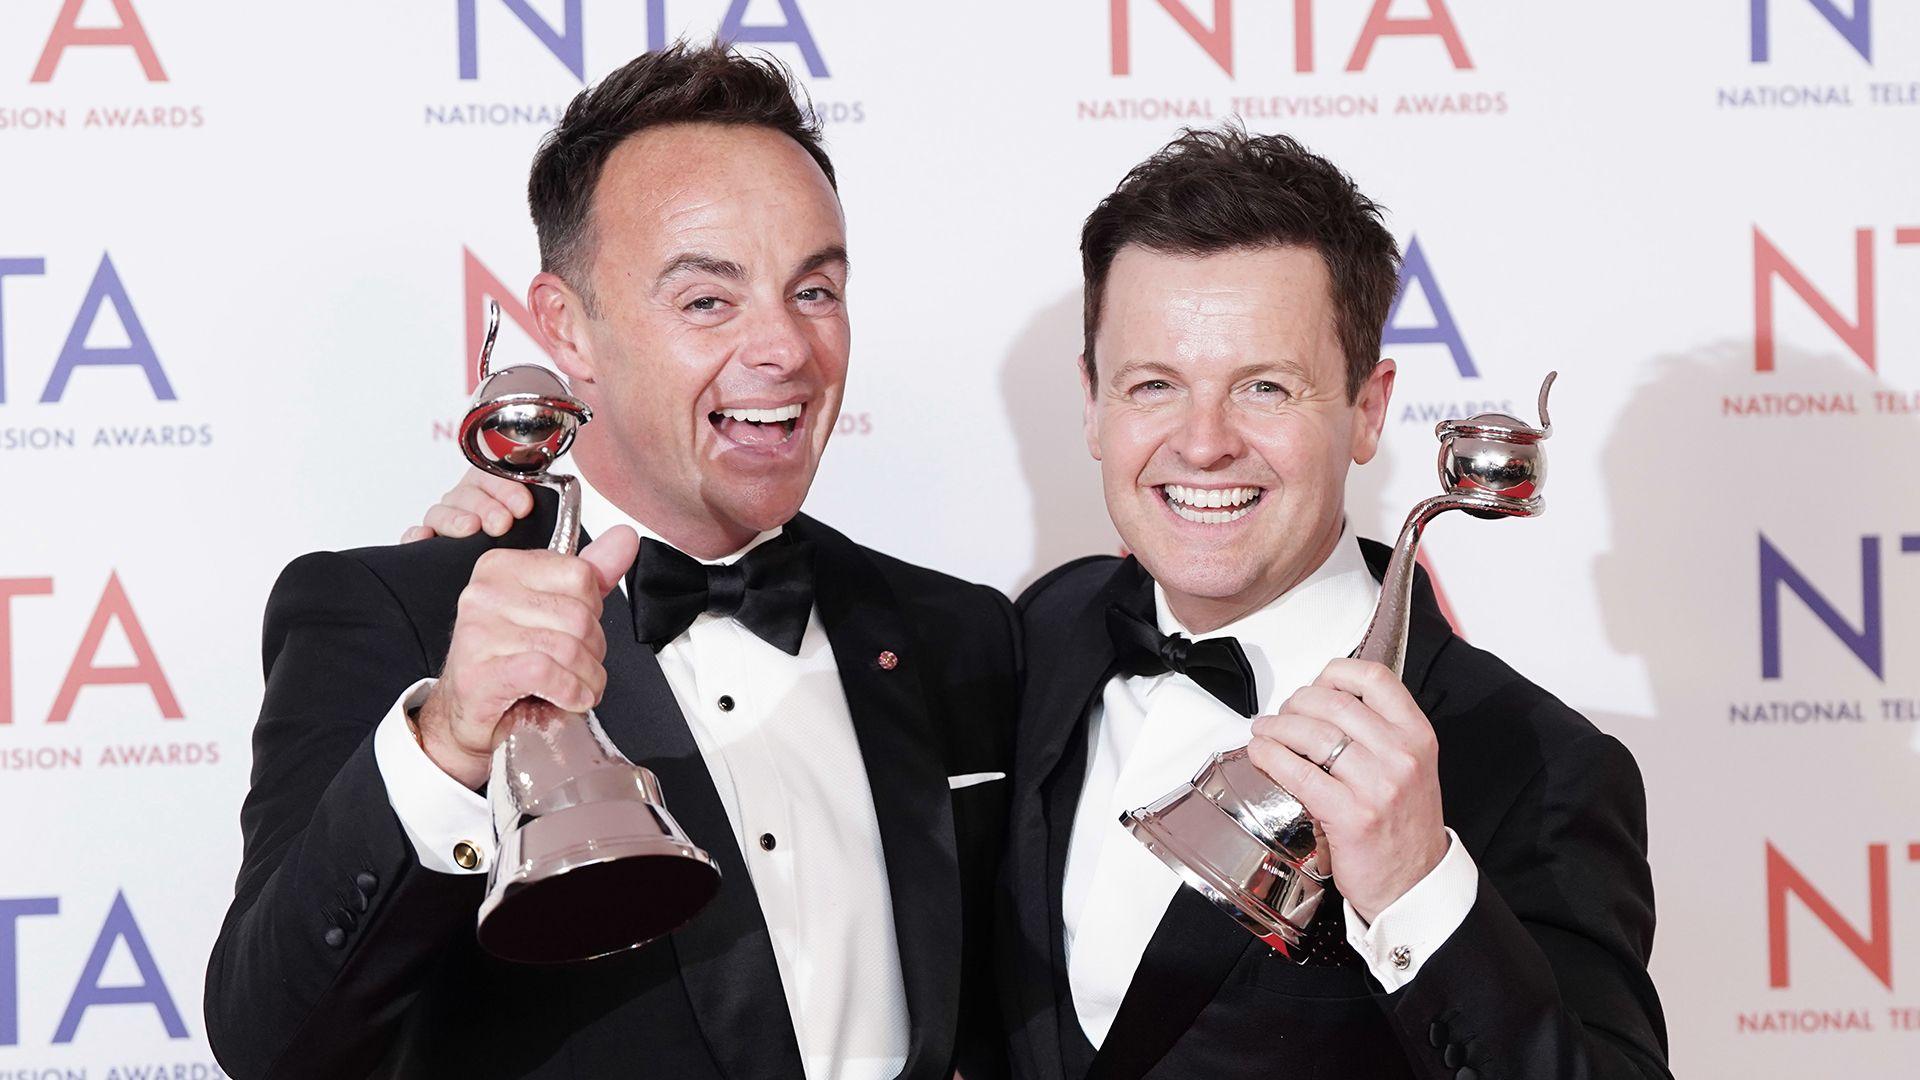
[67,34]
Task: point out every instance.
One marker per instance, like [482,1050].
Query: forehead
[724,188]
[1231,301]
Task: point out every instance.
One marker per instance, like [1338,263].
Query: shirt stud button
[767,841]
[1402,957]
[726,703]
[465,855]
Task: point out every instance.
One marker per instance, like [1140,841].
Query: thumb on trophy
[611,554]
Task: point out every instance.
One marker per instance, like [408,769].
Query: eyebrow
[826,256]
[1157,369]
[694,262]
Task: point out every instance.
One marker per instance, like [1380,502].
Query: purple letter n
[1864,643]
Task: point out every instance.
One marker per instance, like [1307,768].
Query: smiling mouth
[1210,506]
[758,427]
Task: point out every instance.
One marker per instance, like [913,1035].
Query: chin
[765,505]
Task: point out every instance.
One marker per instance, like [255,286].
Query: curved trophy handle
[1492,466]
[493,331]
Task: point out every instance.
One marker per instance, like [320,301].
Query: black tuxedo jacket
[1546,978]
[342,956]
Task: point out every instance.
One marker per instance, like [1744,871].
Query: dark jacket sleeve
[1547,977]
[334,924]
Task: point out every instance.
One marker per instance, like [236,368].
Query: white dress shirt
[1148,734]
[787,766]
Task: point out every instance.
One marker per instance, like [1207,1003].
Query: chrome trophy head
[1244,841]
[589,861]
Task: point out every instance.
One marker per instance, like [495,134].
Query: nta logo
[1873,948]
[1217,39]
[119,928]
[1857,334]
[1856,28]
[68,33]
[106,290]
[1866,641]
[568,41]
[86,669]
[1414,269]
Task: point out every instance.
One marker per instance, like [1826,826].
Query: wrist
[1417,870]
[430,731]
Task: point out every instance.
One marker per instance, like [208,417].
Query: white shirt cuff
[448,824]
[1420,921]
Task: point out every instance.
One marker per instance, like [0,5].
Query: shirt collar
[1290,639]
[598,514]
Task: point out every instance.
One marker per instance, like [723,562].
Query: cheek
[1130,437]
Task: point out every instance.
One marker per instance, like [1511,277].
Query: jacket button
[334,937]
[1455,1056]
[366,882]
[1466,1074]
[1437,1035]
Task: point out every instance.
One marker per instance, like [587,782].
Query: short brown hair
[680,84]
[1210,191]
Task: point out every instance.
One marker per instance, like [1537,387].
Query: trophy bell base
[1213,854]
[571,888]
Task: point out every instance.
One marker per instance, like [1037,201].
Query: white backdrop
[242,248]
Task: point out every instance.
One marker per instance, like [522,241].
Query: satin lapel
[1064,678]
[725,955]
[907,776]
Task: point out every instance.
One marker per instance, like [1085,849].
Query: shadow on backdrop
[1041,390]
[1699,499]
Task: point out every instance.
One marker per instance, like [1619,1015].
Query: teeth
[1212,517]
[764,416]
[1210,497]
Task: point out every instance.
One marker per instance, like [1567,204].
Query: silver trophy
[1244,841]
[589,862]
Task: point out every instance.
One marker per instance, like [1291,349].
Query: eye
[704,303]
[817,300]
[1153,386]
[1267,386]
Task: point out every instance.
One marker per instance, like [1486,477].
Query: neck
[702,536]
[1205,614]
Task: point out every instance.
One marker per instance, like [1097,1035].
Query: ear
[1371,411]
[1089,412]
[561,315]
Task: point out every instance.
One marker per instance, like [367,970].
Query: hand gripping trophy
[590,862]
[1244,841]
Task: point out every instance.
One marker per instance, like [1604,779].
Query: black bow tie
[1218,664]
[770,592]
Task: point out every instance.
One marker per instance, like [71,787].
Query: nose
[778,344]
[1207,437]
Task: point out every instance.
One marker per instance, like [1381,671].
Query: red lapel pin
[887,660]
